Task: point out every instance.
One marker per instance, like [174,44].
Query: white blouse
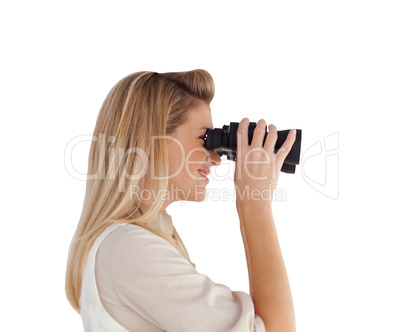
[135,280]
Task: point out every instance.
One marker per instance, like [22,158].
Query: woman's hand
[257,167]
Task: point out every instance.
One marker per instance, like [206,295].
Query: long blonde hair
[139,106]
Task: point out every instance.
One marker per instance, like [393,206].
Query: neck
[162,209]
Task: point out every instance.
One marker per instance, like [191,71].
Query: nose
[215,158]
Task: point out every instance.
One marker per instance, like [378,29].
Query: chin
[185,192]
[199,193]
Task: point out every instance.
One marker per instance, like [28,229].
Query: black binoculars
[224,142]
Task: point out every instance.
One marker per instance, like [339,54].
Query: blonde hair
[139,106]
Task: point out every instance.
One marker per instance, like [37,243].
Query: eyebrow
[205,128]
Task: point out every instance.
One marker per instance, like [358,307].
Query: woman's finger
[272,136]
[286,147]
[242,137]
[259,133]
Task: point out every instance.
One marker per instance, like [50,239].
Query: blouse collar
[162,221]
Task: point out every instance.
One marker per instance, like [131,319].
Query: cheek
[176,158]
[183,163]
[194,159]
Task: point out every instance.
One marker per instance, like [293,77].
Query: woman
[128,269]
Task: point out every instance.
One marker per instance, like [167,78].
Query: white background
[330,68]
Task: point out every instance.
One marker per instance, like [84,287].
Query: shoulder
[131,245]
[129,234]
[133,236]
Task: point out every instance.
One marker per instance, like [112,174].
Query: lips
[204,172]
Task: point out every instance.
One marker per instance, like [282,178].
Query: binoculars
[224,142]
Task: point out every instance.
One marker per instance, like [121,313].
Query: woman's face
[188,157]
